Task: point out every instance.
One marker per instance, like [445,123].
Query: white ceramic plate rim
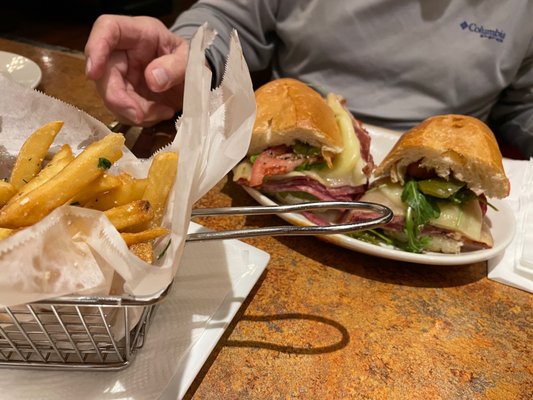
[502,222]
[27,73]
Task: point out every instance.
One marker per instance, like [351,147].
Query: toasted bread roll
[452,145]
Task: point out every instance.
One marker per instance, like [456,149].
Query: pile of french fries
[37,186]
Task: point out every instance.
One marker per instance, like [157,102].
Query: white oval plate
[20,69]
[502,222]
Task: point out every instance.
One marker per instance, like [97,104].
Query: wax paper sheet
[76,250]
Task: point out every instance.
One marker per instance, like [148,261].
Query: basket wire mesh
[76,332]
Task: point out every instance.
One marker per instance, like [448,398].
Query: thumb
[167,71]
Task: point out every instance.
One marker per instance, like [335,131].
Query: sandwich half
[436,179]
[305,147]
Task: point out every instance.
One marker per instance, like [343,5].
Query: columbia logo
[483,32]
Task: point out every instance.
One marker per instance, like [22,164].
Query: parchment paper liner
[75,250]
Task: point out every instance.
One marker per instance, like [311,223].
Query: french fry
[4,233]
[131,214]
[144,236]
[7,191]
[33,152]
[128,190]
[161,176]
[103,184]
[135,206]
[56,164]
[90,164]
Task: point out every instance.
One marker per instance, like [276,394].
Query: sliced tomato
[274,161]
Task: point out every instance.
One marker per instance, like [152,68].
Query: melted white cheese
[347,166]
[388,194]
[466,218]
[242,170]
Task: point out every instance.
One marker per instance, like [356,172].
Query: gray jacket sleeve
[254,20]
[512,116]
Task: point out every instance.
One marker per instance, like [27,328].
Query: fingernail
[160,76]
[88,66]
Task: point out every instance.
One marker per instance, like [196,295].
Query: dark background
[68,23]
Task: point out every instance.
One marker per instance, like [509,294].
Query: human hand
[138,66]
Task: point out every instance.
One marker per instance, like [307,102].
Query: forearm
[515,128]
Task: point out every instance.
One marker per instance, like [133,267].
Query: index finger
[109,33]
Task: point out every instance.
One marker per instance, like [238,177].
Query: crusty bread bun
[451,145]
[288,110]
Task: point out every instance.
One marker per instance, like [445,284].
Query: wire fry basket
[74,332]
[105,332]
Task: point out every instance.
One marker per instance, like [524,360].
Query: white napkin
[211,284]
[514,266]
